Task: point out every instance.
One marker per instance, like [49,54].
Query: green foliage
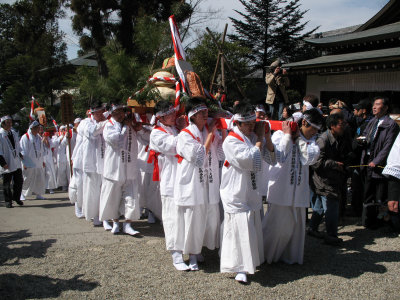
[31,48]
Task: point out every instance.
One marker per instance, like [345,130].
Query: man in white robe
[75,190]
[163,156]
[93,149]
[62,163]
[289,191]
[120,184]
[149,190]
[197,184]
[33,163]
[50,170]
[242,248]
[10,161]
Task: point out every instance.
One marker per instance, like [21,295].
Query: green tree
[31,49]
[271,29]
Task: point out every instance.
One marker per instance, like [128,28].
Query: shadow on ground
[13,286]
[13,248]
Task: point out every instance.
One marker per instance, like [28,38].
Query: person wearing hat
[93,147]
[284,223]
[245,148]
[163,139]
[277,81]
[196,189]
[10,161]
[120,185]
[33,163]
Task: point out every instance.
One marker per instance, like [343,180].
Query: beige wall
[358,82]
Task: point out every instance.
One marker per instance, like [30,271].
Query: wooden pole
[227,64]
[215,72]
[218,62]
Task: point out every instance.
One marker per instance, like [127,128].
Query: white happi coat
[120,173]
[241,175]
[10,154]
[197,177]
[163,141]
[289,180]
[34,178]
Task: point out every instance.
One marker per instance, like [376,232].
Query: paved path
[46,252]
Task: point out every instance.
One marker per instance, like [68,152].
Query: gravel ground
[46,252]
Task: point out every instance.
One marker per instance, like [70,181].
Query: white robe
[242,242]
[93,150]
[163,140]
[34,178]
[62,164]
[120,184]
[10,153]
[50,170]
[149,190]
[288,196]
[197,191]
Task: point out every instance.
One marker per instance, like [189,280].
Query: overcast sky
[328,14]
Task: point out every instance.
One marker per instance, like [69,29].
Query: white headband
[77,120]
[92,110]
[308,105]
[259,108]
[244,118]
[196,109]
[34,124]
[115,107]
[165,113]
[5,118]
[306,117]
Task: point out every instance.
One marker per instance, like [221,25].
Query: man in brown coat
[277,82]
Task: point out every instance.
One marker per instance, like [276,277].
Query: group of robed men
[205,184]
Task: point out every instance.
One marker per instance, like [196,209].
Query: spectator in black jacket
[377,140]
[329,177]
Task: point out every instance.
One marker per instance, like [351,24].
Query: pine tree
[271,28]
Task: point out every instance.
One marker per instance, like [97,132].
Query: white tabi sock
[78,211]
[115,228]
[127,228]
[241,277]
[22,198]
[177,260]
[150,218]
[107,225]
[193,262]
[97,222]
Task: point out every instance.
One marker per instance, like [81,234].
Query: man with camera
[277,81]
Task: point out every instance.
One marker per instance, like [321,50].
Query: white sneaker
[127,228]
[107,225]
[115,228]
[40,197]
[150,218]
[193,266]
[241,277]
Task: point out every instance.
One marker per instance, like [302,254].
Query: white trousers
[34,181]
[190,228]
[62,174]
[213,227]
[75,189]
[242,242]
[284,233]
[119,197]
[50,174]
[169,213]
[91,194]
[149,194]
